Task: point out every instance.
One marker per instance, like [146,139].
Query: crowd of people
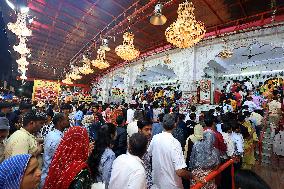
[147,144]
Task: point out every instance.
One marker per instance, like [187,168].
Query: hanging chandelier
[19,27]
[22,69]
[127,51]
[226,52]
[75,76]
[22,47]
[185,31]
[100,62]
[67,80]
[86,68]
[22,61]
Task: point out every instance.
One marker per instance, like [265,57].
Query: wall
[189,64]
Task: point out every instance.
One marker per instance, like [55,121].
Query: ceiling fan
[250,55]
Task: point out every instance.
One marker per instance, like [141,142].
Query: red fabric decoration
[69,159]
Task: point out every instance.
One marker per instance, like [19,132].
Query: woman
[204,158]
[69,169]
[20,172]
[102,157]
[197,136]
[250,139]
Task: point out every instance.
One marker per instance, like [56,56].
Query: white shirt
[229,143]
[127,173]
[251,105]
[167,158]
[130,115]
[238,140]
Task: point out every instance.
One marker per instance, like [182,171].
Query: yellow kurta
[248,158]
[20,142]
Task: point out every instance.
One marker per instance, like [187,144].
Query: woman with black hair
[102,156]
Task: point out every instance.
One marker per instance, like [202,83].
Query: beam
[212,10]
[67,15]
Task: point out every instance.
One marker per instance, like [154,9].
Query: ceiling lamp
[185,31]
[22,61]
[100,62]
[127,51]
[67,80]
[225,53]
[22,69]
[158,18]
[86,68]
[22,47]
[23,76]
[104,45]
[20,26]
[75,75]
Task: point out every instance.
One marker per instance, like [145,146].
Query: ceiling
[61,28]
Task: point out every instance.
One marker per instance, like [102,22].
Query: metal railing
[216,172]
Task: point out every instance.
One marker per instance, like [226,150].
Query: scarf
[12,171]
[69,159]
[198,135]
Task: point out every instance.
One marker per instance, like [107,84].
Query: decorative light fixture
[100,62]
[22,61]
[23,76]
[226,52]
[67,80]
[185,31]
[167,60]
[22,47]
[86,68]
[104,45]
[158,18]
[127,51]
[22,31]
[20,26]
[75,74]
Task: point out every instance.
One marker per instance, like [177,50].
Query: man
[128,171]
[52,140]
[120,143]
[145,128]
[23,141]
[4,132]
[66,109]
[6,111]
[219,141]
[167,158]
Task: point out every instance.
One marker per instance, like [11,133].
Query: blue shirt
[157,128]
[51,143]
[105,166]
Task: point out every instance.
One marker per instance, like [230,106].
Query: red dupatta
[69,159]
